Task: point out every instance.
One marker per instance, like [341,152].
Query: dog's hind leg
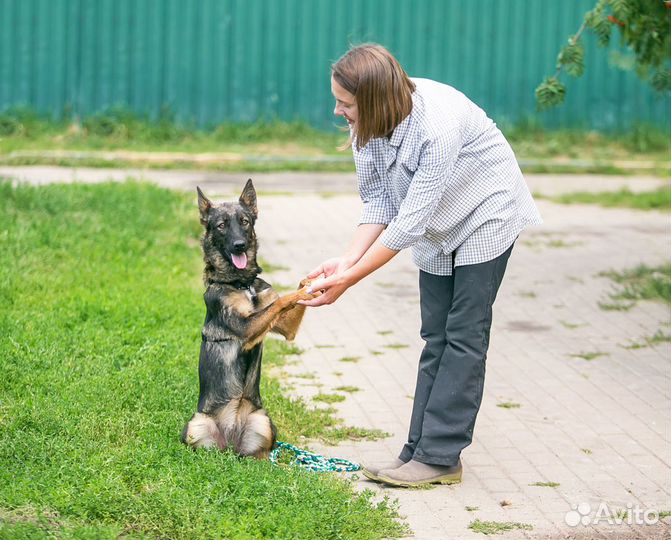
[258,436]
[202,432]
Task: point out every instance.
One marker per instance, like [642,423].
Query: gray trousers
[456,320]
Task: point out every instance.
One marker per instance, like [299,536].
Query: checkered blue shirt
[446,181]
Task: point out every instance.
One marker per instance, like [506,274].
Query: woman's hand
[336,265]
[331,287]
[337,275]
[329,279]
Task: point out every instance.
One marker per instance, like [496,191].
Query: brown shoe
[416,474]
[371,471]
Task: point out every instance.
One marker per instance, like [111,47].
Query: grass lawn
[100,318]
[658,199]
[27,139]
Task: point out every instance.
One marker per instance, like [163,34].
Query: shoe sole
[370,475]
[444,480]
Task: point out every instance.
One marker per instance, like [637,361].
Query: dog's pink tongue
[240,261]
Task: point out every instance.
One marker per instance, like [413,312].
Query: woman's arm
[364,237]
[336,284]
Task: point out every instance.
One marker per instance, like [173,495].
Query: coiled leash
[311,461]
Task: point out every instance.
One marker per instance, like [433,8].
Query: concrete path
[298,182]
[559,437]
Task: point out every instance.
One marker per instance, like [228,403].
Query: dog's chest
[246,302]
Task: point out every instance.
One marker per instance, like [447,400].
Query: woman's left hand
[332,288]
[337,283]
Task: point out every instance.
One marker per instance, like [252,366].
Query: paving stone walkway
[559,437]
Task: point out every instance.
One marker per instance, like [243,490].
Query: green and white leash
[311,461]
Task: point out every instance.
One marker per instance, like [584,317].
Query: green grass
[545,484]
[497,527]
[271,145]
[352,359]
[526,294]
[528,138]
[348,389]
[396,346]
[657,338]
[616,306]
[100,319]
[589,356]
[329,398]
[121,129]
[509,405]
[306,375]
[658,199]
[642,283]
[572,326]
[664,514]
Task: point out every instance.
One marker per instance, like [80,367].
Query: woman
[435,174]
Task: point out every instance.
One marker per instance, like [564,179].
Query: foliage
[643,283]
[659,199]
[100,315]
[645,29]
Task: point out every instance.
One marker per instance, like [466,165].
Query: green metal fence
[210,61]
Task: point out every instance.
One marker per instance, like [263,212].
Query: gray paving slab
[586,432]
[598,431]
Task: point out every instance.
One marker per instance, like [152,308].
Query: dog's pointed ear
[204,205]
[248,197]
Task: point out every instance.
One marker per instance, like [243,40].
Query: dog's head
[229,242]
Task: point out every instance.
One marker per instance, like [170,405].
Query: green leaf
[550,93]
[572,58]
[622,9]
[599,23]
[661,80]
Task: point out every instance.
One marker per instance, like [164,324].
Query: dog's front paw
[303,294]
[305,282]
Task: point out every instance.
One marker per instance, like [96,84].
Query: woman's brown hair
[382,89]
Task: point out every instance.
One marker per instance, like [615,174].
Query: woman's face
[345,104]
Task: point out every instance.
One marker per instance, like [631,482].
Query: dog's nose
[239,246]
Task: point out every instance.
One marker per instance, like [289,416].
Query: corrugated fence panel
[209,61]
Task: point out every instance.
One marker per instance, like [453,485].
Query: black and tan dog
[241,309]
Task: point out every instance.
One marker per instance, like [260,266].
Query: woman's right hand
[334,266]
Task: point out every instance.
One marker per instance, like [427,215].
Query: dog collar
[248,288]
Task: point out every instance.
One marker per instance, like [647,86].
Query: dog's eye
[244,221]
[221,226]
